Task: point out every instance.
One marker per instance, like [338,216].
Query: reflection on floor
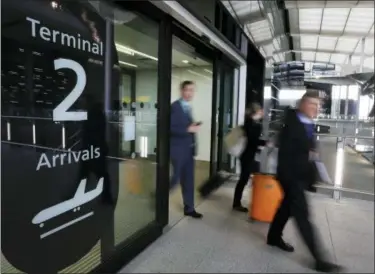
[358,173]
[225,242]
[202,171]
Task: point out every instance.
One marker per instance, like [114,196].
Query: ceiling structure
[310,31]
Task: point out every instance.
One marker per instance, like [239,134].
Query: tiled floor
[226,242]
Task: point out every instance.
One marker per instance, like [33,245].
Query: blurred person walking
[183,146]
[297,149]
[252,129]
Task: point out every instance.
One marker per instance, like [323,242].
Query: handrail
[344,136]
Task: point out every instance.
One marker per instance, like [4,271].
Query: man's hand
[193,128]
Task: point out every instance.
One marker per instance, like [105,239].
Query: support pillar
[363,40]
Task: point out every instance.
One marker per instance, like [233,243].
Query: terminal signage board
[59,189]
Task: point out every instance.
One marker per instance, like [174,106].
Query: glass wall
[136,42]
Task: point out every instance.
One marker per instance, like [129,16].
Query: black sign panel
[59,189]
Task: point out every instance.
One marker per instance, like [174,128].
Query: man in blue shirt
[183,146]
[294,171]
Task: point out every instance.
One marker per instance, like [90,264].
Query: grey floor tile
[225,241]
[356,264]
[347,243]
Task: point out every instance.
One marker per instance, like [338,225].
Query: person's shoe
[327,267]
[194,214]
[240,208]
[282,245]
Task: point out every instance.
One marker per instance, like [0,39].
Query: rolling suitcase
[266,197]
[266,193]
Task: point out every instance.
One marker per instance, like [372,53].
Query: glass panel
[226,109]
[136,41]
[127,119]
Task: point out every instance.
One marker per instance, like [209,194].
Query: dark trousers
[246,169]
[183,172]
[295,205]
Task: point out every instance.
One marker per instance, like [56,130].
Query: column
[362,54]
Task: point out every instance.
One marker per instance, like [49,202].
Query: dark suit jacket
[294,167]
[252,130]
[181,142]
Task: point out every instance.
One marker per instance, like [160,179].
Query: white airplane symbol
[80,198]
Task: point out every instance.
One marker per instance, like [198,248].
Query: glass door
[224,91]
[225,116]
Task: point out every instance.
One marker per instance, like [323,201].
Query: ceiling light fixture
[209,71]
[198,74]
[128,64]
[127,50]
[185,61]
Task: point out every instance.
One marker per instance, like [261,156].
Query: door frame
[133,78]
[205,49]
[222,65]
[131,247]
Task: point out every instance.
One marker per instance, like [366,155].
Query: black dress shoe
[282,245]
[240,208]
[327,267]
[194,214]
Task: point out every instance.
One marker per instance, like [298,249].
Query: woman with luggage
[252,129]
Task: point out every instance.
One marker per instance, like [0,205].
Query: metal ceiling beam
[331,4]
[286,22]
[251,17]
[333,34]
[323,51]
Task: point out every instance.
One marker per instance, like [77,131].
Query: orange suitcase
[266,197]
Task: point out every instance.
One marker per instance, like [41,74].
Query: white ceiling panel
[307,55]
[355,61]
[260,30]
[327,43]
[303,4]
[308,4]
[276,43]
[369,47]
[337,58]
[242,8]
[261,49]
[360,20]
[340,4]
[268,49]
[322,57]
[309,19]
[309,42]
[346,44]
[369,63]
[334,19]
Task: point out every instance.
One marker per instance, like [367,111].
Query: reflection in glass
[137,50]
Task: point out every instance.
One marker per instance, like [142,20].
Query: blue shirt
[308,123]
[185,106]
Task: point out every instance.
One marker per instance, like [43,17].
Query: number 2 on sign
[60,113]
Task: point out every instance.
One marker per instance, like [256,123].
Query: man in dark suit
[183,146]
[296,151]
